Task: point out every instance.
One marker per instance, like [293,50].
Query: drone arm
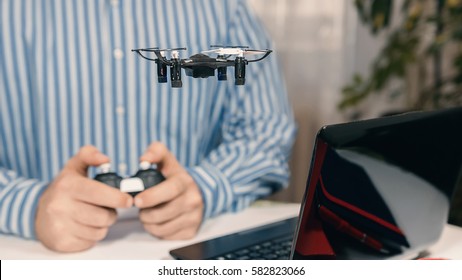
[139,51]
[261,58]
[157,53]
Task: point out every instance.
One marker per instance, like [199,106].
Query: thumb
[86,156]
[166,162]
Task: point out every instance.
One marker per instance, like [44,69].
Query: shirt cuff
[217,192]
[19,207]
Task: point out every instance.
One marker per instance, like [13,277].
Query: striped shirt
[68,79]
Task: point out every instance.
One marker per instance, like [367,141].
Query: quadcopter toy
[201,65]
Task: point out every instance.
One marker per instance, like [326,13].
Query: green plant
[428,34]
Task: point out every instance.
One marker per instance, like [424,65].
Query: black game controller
[145,178]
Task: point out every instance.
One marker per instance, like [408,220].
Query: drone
[202,65]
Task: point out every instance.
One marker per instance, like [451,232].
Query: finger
[87,233]
[158,153]
[161,193]
[87,156]
[162,213]
[189,220]
[99,194]
[94,216]
[185,202]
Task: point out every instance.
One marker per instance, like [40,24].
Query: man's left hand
[172,209]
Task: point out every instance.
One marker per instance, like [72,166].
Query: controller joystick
[106,176]
[145,178]
[148,175]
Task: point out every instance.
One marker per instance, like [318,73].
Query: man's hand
[172,209]
[75,212]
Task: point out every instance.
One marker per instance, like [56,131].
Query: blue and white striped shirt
[68,78]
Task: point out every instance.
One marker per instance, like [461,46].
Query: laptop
[376,189]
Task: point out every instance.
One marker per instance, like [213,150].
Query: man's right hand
[75,212]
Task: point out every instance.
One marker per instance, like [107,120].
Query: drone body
[201,65]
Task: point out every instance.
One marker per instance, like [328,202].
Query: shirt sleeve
[18,203]
[258,130]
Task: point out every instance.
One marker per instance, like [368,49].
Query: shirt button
[120,110]
[118,53]
[122,168]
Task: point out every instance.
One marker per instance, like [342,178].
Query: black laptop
[376,189]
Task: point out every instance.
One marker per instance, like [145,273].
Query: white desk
[128,240]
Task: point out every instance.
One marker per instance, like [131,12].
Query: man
[72,96]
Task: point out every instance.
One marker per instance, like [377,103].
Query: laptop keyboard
[276,249]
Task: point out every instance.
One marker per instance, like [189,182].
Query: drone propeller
[235,51]
[251,52]
[223,46]
[225,51]
[159,53]
[172,49]
[157,50]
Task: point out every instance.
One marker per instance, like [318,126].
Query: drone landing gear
[222,76]
[175,73]
[239,71]
[161,71]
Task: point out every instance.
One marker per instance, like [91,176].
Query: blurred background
[355,59]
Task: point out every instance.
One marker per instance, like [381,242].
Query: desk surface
[128,240]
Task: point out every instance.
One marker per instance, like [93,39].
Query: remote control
[145,178]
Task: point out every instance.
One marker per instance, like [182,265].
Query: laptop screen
[376,189]
[380,188]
